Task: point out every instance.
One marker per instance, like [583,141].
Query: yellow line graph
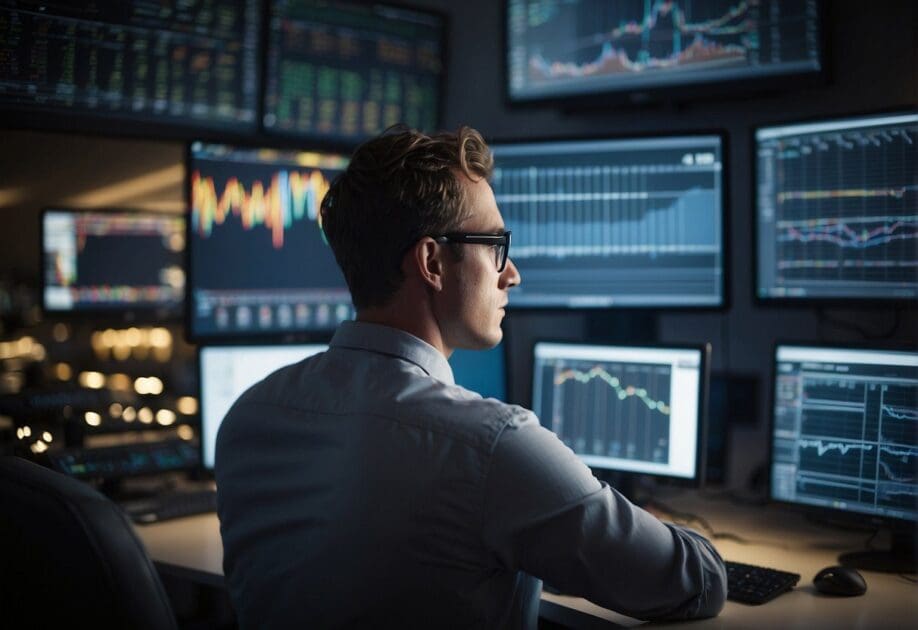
[623,392]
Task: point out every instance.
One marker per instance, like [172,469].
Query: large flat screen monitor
[579,48]
[614,223]
[626,409]
[258,260]
[191,64]
[837,209]
[225,372]
[845,432]
[116,261]
[344,71]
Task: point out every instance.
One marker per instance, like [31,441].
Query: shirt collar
[394,342]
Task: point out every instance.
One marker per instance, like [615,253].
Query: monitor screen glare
[845,430]
[622,408]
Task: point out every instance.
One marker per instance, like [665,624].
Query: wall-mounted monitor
[626,409]
[258,260]
[837,209]
[578,49]
[118,261]
[345,71]
[631,222]
[146,64]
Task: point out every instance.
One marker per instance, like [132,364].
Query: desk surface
[772,536]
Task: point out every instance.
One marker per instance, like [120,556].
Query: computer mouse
[840,581]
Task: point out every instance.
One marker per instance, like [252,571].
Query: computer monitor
[258,260]
[844,439]
[146,64]
[631,222]
[481,371]
[345,71]
[837,201]
[115,261]
[626,409]
[572,50]
[226,372]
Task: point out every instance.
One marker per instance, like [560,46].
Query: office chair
[69,557]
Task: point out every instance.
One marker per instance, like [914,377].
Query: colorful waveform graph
[291,197]
[622,391]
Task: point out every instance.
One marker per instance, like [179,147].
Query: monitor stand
[902,557]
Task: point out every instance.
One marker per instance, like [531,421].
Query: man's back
[344,494]
[361,487]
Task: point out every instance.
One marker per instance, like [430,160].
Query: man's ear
[425,260]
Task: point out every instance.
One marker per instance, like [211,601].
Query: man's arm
[546,514]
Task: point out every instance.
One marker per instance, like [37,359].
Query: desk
[191,548]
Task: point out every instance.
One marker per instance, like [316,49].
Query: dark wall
[872,66]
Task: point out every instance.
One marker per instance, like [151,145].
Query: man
[361,487]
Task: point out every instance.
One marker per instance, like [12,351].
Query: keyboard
[751,584]
[169,505]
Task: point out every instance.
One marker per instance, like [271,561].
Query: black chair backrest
[70,557]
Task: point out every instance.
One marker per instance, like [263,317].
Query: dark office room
[608,345]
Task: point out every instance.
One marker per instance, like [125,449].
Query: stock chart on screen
[600,223]
[623,408]
[564,48]
[345,71]
[259,262]
[187,63]
[844,433]
[838,209]
[112,261]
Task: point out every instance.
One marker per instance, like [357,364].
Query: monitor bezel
[725,222]
[683,92]
[273,135]
[849,516]
[252,338]
[807,300]
[199,371]
[59,119]
[697,479]
[126,314]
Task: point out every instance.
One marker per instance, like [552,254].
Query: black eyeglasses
[500,243]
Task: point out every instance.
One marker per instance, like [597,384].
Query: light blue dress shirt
[362,487]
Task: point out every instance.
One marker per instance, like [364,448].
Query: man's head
[383,214]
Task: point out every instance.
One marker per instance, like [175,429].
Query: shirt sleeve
[546,514]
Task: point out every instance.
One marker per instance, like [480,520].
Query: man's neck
[415,320]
